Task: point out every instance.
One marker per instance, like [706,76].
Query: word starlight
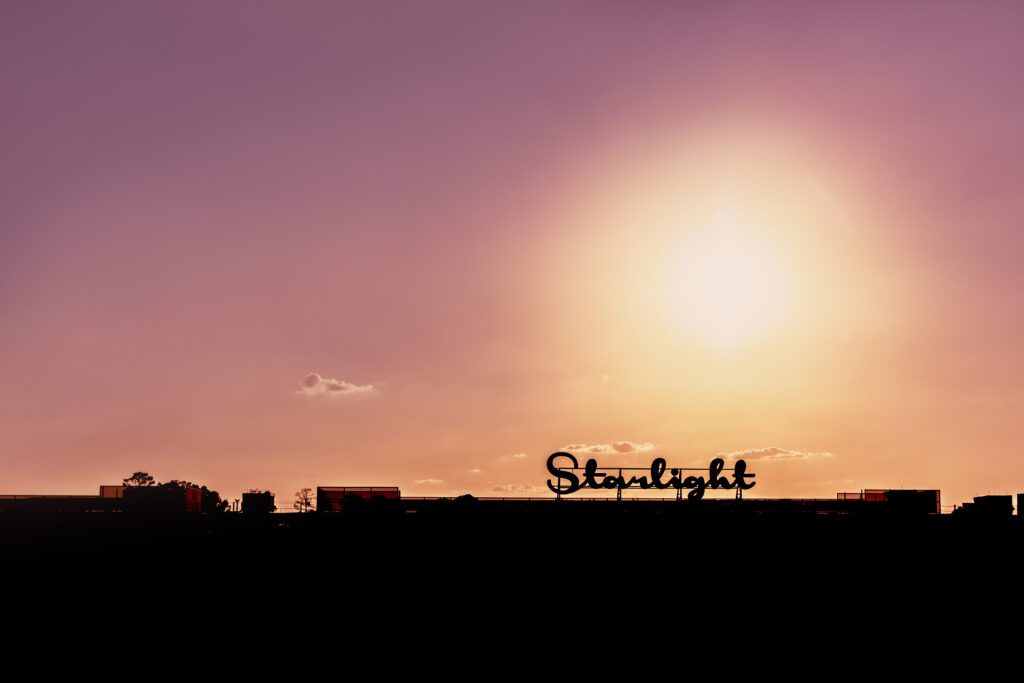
[571,478]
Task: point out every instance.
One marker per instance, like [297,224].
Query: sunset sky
[426,244]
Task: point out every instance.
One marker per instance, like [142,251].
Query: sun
[728,286]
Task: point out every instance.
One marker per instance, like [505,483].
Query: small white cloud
[313,385]
[429,482]
[510,458]
[773,453]
[615,447]
[476,470]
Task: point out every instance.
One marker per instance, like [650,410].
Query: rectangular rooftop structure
[904,500]
[112,490]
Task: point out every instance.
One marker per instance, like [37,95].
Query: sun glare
[726,247]
[728,287]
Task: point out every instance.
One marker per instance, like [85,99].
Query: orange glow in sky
[427,246]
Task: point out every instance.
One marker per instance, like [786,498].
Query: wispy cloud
[428,482]
[520,489]
[774,453]
[615,447]
[510,458]
[476,470]
[314,385]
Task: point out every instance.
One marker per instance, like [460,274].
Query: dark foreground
[471,586]
[556,553]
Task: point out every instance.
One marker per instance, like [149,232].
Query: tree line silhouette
[211,500]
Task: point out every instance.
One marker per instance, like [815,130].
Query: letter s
[567,473]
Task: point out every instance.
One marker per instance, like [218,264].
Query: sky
[285,244]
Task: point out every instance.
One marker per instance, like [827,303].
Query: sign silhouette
[570,478]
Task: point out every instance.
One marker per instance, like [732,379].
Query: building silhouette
[333,498]
[261,503]
[163,498]
[989,507]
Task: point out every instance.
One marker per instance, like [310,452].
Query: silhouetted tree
[303,500]
[211,500]
[139,479]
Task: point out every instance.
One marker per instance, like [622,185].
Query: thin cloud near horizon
[314,385]
[774,453]
[615,447]
[518,488]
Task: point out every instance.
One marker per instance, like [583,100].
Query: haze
[426,244]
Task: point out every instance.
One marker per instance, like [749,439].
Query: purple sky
[204,203]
